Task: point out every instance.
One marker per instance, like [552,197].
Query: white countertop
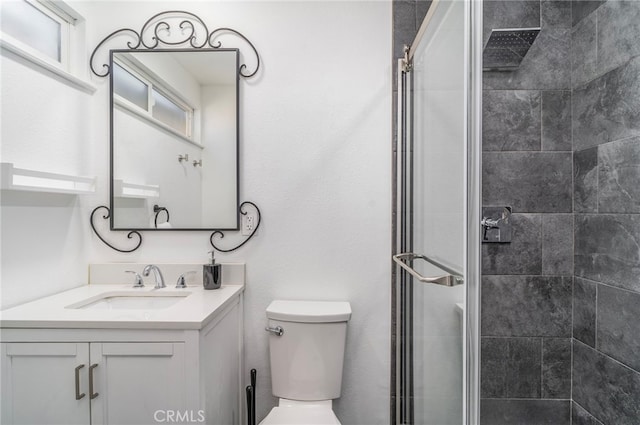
[192,312]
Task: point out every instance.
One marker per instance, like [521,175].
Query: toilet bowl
[306,350]
[292,412]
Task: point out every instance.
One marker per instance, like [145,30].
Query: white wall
[315,156]
[45,124]
[146,154]
[219,156]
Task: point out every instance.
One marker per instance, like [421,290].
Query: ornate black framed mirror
[174,121]
[174,139]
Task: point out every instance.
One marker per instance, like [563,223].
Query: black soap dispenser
[211,274]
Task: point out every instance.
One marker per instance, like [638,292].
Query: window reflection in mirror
[175,138]
[127,87]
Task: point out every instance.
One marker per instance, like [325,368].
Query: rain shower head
[506,48]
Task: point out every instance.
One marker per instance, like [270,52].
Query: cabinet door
[138,383]
[220,369]
[39,383]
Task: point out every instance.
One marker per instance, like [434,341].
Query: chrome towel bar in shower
[452,278]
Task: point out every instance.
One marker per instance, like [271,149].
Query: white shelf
[40,181]
[9,44]
[124,189]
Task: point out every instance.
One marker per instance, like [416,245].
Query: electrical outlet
[248,224]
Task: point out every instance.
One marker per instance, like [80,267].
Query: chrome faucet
[156,273]
[182,283]
[137,279]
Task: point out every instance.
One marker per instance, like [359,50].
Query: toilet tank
[306,361]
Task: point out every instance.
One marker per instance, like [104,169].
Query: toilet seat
[290,412]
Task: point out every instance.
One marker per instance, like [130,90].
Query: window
[137,92]
[49,35]
[39,28]
[129,87]
[167,111]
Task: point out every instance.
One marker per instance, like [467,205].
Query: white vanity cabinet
[119,383]
[124,376]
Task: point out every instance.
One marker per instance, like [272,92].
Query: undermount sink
[131,301]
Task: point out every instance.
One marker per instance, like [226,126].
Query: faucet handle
[181,281]
[138,279]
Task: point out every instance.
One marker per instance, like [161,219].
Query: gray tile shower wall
[514,367]
[585,181]
[606,249]
[582,8]
[618,330]
[584,311]
[556,121]
[527,285]
[525,412]
[601,109]
[512,120]
[561,143]
[579,416]
[556,368]
[608,390]
[606,166]
[533,306]
[530,182]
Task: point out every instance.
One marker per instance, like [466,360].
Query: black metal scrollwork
[136,233]
[255,229]
[129,235]
[156,31]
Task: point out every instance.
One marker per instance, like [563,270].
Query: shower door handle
[451,278]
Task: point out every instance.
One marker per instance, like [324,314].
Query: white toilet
[306,347]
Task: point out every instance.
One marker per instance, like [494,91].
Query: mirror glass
[174,139]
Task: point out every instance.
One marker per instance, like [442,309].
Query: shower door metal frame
[403,211]
[403,404]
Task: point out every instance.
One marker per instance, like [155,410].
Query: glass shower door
[436,192]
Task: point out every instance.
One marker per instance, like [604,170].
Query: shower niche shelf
[22,179]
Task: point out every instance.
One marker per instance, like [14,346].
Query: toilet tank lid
[309,311]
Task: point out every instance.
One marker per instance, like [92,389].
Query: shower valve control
[496,224]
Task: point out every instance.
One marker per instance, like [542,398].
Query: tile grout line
[617,362]
[598,180]
[541,107]
[541,367]
[595,282]
[595,336]
[573,222]
[588,412]
[526,399]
